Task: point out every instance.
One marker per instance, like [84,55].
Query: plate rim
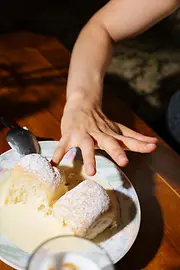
[6,261]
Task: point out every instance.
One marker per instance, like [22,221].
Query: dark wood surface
[33,73]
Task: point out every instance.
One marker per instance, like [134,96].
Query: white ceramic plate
[119,243]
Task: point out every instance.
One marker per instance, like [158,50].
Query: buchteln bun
[35,182]
[86,209]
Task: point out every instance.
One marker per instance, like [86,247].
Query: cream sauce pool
[27,228]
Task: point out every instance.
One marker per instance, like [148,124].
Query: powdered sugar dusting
[82,205]
[41,167]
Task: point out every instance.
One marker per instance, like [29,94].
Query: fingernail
[90,169]
[122,159]
[151,145]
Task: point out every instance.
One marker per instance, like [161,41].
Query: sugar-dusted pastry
[86,209]
[35,182]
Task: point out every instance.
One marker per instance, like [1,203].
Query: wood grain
[33,72]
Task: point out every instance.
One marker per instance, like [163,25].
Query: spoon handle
[5,122]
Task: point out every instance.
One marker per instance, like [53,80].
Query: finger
[59,153]
[87,148]
[113,148]
[133,134]
[136,145]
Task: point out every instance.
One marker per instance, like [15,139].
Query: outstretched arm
[83,119]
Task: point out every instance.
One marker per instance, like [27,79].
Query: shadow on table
[169,169]
[152,228]
[26,92]
[42,139]
[141,176]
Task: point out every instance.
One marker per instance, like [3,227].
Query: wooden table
[33,72]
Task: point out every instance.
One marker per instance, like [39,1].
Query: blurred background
[145,71]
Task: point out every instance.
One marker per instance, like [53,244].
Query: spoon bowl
[21,139]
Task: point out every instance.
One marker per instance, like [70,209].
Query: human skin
[83,123]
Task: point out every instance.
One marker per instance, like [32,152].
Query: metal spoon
[20,139]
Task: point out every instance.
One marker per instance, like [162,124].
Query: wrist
[91,96]
[84,89]
[80,100]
